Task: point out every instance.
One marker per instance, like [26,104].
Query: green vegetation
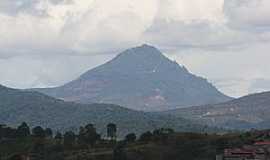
[36,109]
[88,144]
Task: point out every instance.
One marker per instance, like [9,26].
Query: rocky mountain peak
[143,59]
[141,53]
[140,78]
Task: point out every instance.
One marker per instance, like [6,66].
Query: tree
[48,133]
[162,134]
[58,138]
[9,132]
[38,132]
[146,137]
[81,136]
[91,134]
[130,137]
[111,131]
[2,128]
[88,135]
[23,130]
[69,139]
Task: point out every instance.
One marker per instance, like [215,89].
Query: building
[257,151]
[239,154]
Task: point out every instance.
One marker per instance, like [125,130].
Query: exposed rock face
[140,78]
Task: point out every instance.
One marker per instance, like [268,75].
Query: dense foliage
[88,144]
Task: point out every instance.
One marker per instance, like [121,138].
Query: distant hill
[35,108]
[140,78]
[251,111]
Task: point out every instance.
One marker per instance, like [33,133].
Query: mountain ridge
[250,111]
[17,106]
[140,78]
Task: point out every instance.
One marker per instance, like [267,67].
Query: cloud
[195,34]
[102,28]
[259,85]
[44,71]
[33,7]
[210,24]
[14,8]
[253,15]
[202,34]
[96,26]
[183,10]
[81,26]
[233,71]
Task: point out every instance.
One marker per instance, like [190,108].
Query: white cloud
[233,71]
[259,85]
[188,11]
[248,14]
[201,34]
[43,71]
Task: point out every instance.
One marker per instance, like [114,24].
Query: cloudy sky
[50,42]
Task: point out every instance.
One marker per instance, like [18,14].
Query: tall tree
[58,136]
[23,130]
[81,136]
[92,136]
[88,135]
[130,137]
[38,132]
[2,131]
[111,131]
[147,136]
[9,132]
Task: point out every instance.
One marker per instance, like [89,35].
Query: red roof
[262,143]
[238,151]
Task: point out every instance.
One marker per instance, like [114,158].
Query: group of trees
[23,131]
[39,143]
[43,143]
[156,135]
[87,134]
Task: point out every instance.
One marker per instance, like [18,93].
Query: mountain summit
[140,78]
[138,61]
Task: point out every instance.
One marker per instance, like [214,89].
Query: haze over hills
[250,111]
[140,78]
[17,106]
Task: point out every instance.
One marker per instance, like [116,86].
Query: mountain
[140,78]
[247,112]
[17,106]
